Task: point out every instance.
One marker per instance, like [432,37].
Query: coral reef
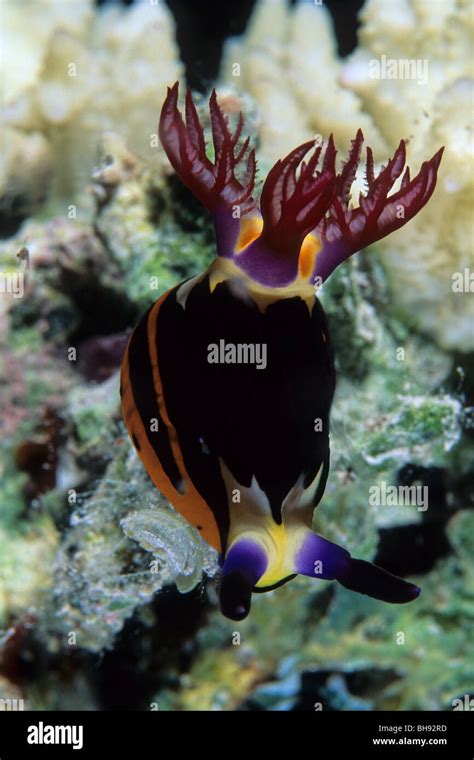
[79,287]
[107,597]
[100,575]
[287,62]
[431,110]
[97,539]
[68,81]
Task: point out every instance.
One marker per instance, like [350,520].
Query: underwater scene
[237,356]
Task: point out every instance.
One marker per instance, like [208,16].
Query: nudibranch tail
[345,230]
[319,558]
[371,580]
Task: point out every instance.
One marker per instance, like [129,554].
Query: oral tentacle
[320,558]
[245,563]
[371,580]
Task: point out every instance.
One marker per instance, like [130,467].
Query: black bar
[123,734]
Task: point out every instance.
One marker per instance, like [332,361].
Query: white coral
[289,64]
[77,72]
[422,257]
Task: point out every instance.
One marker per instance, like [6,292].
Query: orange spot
[308,251]
[250,229]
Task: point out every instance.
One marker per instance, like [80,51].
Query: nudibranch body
[228,379]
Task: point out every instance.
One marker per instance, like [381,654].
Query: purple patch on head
[320,558]
[260,263]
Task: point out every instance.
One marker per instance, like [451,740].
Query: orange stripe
[190,505]
[136,428]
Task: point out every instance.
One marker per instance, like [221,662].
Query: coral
[430,110]
[289,65]
[78,558]
[438,35]
[136,213]
[25,574]
[25,44]
[101,554]
[100,575]
[68,81]
[85,279]
[26,171]
[337,655]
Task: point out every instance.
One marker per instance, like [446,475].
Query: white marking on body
[184,290]
[252,497]
[299,498]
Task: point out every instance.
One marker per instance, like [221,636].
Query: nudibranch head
[243,454]
[304,225]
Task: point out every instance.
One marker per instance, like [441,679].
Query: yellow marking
[279,566]
[251,518]
[225,270]
[281,544]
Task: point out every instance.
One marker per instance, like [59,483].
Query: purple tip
[320,558]
[244,564]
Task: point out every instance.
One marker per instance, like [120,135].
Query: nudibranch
[240,447]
